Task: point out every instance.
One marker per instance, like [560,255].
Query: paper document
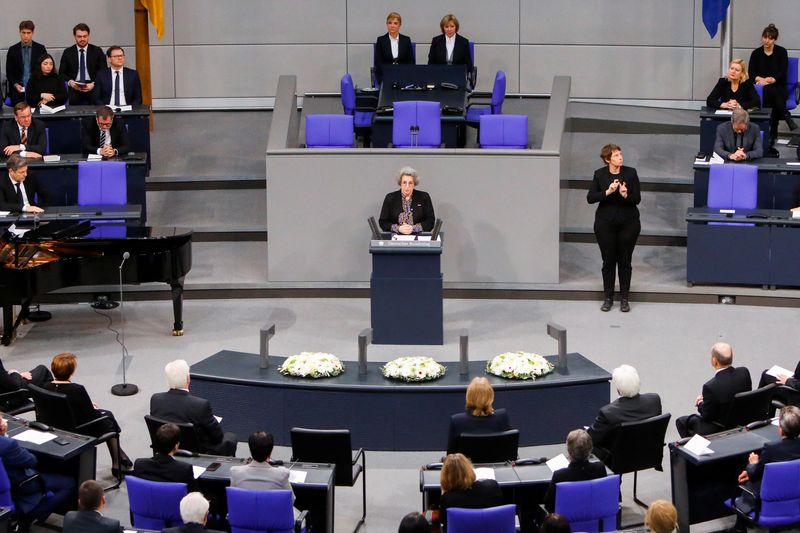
[558,462]
[776,421]
[47,110]
[424,238]
[4,213]
[793,163]
[782,141]
[14,230]
[51,158]
[94,157]
[716,159]
[403,237]
[698,445]
[36,437]
[726,112]
[218,419]
[484,473]
[297,476]
[778,371]
[197,471]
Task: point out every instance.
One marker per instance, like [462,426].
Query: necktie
[82,66]
[19,194]
[23,139]
[26,64]
[116,88]
[102,138]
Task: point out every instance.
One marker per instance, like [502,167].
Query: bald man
[718,392]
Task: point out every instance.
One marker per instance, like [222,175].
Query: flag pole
[725,40]
[142,36]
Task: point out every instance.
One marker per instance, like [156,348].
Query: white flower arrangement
[413,369]
[519,365]
[312,365]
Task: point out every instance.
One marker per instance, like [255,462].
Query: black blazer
[90,136]
[773,452]
[483,493]
[718,392]
[437,55]
[421,210]
[8,193]
[746,94]
[383,53]
[46,84]
[36,139]
[178,405]
[467,423]
[162,467]
[14,66]
[104,86]
[576,471]
[775,65]
[89,522]
[622,410]
[68,69]
[615,208]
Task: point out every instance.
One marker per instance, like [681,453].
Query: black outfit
[90,522]
[775,65]
[90,136]
[791,382]
[466,422]
[53,84]
[165,468]
[623,409]
[8,193]
[437,55]
[718,395]
[83,410]
[421,210]
[576,471]
[177,405]
[68,69]
[15,67]
[482,494]
[10,134]
[616,226]
[723,91]
[383,53]
[11,381]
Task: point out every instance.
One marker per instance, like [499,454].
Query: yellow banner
[155,11]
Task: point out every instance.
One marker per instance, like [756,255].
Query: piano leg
[177,307]
[8,324]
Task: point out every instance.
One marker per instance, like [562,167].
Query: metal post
[559,333]
[364,340]
[266,334]
[726,40]
[463,353]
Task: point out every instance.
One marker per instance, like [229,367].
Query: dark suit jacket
[14,66]
[162,467]
[437,55]
[725,142]
[621,410]
[178,405]
[90,136]
[104,86]
[483,493]
[8,193]
[467,423]
[90,522]
[20,464]
[576,471]
[191,527]
[773,452]
[36,140]
[615,208]
[68,69]
[421,209]
[383,53]
[718,392]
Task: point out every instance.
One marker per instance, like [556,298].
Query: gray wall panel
[705,72]
[750,17]
[162,70]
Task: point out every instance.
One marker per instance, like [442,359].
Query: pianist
[18,190]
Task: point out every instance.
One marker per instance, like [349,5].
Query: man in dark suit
[162,466]
[19,191]
[20,60]
[89,517]
[714,403]
[103,135]
[118,85]
[178,405]
[450,48]
[738,140]
[80,64]
[24,135]
[194,513]
[579,449]
[631,406]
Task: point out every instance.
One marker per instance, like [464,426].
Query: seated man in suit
[715,401]
[20,59]
[579,449]
[80,64]
[194,513]
[24,135]
[629,407]
[102,135]
[117,85]
[162,466]
[178,405]
[12,380]
[19,191]
[738,140]
[89,516]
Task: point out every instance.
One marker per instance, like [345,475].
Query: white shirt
[122,100]
[395,42]
[450,43]
[25,201]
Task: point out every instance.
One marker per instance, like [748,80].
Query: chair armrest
[185,453]
[90,423]
[473,76]
[476,104]
[359,453]
[20,394]
[300,522]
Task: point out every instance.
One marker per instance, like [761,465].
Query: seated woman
[450,48]
[63,367]
[661,517]
[392,48]
[735,90]
[45,87]
[461,489]
[407,211]
[480,416]
[579,448]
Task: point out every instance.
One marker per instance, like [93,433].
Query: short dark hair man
[80,64]
[162,466]
[23,135]
[18,190]
[117,85]
[104,135]
[88,518]
[738,140]
[20,60]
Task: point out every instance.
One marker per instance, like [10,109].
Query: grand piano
[67,253]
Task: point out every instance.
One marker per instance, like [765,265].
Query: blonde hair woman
[479,416]
[734,90]
[461,489]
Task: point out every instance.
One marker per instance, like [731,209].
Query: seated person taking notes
[407,211]
[738,140]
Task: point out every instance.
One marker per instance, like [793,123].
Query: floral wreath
[519,365]
[411,369]
[312,365]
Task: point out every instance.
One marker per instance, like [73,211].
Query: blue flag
[714,13]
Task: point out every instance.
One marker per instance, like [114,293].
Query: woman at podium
[407,211]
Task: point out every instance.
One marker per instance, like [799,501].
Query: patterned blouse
[406,216]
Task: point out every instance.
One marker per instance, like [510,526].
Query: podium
[406,292]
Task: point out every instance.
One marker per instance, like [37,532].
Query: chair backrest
[190,440]
[52,408]
[750,406]
[791,83]
[5,489]
[780,494]
[423,115]
[259,511]
[102,183]
[325,446]
[495,519]
[589,505]
[348,90]
[639,445]
[503,131]
[489,447]
[472,51]
[154,504]
[498,92]
[760,93]
[47,141]
[329,131]
[733,186]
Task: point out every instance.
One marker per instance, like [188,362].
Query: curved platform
[387,415]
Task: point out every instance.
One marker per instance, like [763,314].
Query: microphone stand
[124,388]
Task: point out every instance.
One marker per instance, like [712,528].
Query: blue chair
[417,125]
[792,87]
[154,504]
[495,519]
[503,131]
[47,141]
[263,511]
[329,131]
[778,503]
[7,491]
[590,505]
[472,76]
[476,111]
[102,183]
[733,186]
[362,119]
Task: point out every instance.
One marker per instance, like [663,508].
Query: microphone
[124,388]
[125,257]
